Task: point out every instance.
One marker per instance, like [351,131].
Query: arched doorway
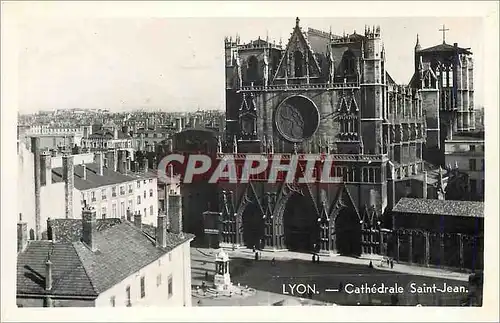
[348,232]
[300,224]
[252,225]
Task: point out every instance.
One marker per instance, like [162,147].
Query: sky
[177,64]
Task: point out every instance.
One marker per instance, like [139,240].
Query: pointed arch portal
[301,228]
[348,232]
[252,225]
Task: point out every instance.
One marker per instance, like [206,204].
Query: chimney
[48,274]
[98,159]
[174,213]
[45,168]
[111,159]
[84,170]
[122,162]
[35,149]
[128,164]
[424,186]
[138,220]
[68,177]
[89,227]
[145,164]
[22,234]
[161,231]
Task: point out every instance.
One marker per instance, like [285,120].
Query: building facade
[465,151]
[97,269]
[443,233]
[58,187]
[317,94]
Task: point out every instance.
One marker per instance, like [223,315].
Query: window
[151,210]
[143,287]
[138,199]
[482,164]
[112,300]
[130,204]
[130,188]
[170,286]
[113,191]
[103,212]
[122,208]
[128,303]
[472,164]
[114,210]
[472,147]
[145,212]
[103,194]
[298,63]
[138,184]
[252,69]
[144,181]
[122,190]
[150,193]
[158,280]
[93,196]
[150,181]
[144,194]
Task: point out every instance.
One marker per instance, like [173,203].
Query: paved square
[281,280]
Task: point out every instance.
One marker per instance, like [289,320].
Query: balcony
[309,86]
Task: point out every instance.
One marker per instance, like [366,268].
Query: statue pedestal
[222,282]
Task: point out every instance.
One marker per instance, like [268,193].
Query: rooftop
[123,249]
[440,207]
[445,48]
[468,136]
[93,180]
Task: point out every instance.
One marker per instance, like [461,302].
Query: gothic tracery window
[349,63]
[298,60]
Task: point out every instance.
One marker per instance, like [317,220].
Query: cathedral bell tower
[372,92]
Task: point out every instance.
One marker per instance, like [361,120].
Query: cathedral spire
[297,21]
[417,45]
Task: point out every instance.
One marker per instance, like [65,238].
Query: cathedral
[322,93]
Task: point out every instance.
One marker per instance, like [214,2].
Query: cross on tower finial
[297,21]
[444,30]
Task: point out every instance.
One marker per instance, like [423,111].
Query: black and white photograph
[250,161]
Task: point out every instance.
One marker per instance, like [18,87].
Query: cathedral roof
[440,207]
[445,48]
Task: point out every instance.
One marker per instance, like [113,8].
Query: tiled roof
[440,207]
[93,180]
[70,230]
[122,250]
[69,276]
[444,48]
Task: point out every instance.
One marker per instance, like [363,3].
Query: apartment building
[104,264]
[465,151]
[103,180]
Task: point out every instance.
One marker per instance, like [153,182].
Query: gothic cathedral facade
[318,94]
